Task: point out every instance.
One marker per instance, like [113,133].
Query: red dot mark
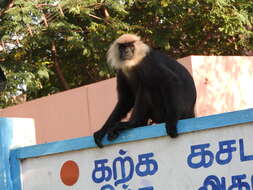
[69,173]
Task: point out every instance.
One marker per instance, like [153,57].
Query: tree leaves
[83,30]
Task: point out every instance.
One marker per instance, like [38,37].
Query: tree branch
[58,68]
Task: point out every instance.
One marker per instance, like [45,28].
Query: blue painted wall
[184,126]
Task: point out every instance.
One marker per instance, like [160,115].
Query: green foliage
[83,32]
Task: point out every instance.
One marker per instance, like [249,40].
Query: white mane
[141,50]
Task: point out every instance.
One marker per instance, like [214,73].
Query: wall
[222,85]
[73,113]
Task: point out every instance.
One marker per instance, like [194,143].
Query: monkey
[150,84]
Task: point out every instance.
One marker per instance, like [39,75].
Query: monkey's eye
[122,46]
[126,45]
[132,47]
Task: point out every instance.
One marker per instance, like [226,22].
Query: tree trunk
[58,68]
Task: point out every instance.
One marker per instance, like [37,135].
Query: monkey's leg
[138,118]
[119,112]
[121,126]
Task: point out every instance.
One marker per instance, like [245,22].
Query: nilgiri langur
[151,84]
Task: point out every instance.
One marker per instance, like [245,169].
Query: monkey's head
[126,51]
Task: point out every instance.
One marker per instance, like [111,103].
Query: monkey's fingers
[112,135]
[98,139]
[173,134]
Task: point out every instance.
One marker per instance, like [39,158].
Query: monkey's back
[152,74]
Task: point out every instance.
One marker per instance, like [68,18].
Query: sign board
[14,132]
[219,158]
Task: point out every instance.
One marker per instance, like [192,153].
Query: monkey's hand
[113,133]
[98,136]
[118,127]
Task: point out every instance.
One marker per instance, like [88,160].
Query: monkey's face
[126,50]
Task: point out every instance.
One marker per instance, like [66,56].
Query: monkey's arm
[172,90]
[123,106]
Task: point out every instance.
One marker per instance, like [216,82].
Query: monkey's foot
[98,136]
[112,135]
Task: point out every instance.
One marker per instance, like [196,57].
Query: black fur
[158,88]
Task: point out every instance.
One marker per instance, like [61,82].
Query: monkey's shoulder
[158,57]
[161,61]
